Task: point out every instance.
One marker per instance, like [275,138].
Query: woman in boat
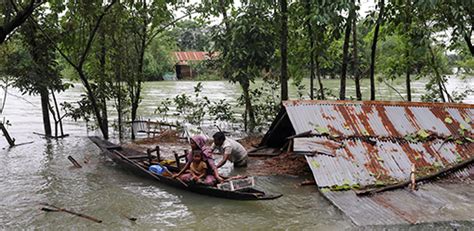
[198,145]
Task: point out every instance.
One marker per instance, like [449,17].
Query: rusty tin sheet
[370,142]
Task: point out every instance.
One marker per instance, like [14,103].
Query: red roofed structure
[185,58]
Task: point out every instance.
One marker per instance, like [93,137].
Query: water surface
[40,172]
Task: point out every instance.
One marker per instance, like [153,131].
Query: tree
[458,15]
[13,17]
[84,19]
[43,71]
[407,28]
[251,51]
[34,69]
[374,48]
[284,48]
[345,54]
[146,20]
[355,62]
[191,36]
[311,47]
[321,22]
[217,8]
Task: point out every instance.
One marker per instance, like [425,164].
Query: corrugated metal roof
[379,118]
[365,143]
[184,56]
[368,139]
[432,202]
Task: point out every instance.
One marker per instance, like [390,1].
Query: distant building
[185,59]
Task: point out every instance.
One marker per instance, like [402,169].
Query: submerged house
[185,60]
[362,156]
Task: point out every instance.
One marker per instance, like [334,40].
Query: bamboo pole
[418,179]
[58,209]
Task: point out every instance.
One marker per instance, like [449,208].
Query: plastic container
[158,169]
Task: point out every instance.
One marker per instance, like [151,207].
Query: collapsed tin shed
[351,145]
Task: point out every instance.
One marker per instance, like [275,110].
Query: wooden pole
[418,179]
[176,157]
[58,209]
[413,178]
[157,148]
[148,152]
[11,141]
[74,162]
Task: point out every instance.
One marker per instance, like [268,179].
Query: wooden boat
[137,162]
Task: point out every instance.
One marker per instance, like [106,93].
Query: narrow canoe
[134,160]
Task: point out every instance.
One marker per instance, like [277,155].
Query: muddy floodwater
[38,171]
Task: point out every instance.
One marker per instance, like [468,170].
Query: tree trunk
[60,119]
[407,48]
[248,105]
[225,49]
[118,77]
[467,38]
[355,63]
[318,74]
[311,47]
[80,71]
[284,49]
[345,57]
[45,109]
[119,111]
[5,92]
[374,47]
[102,83]
[105,119]
[137,90]
[437,74]
[90,94]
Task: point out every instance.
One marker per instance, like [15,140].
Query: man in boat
[198,145]
[230,149]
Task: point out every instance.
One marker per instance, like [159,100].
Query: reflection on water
[40,172]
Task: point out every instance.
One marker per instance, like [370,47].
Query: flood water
[38,172]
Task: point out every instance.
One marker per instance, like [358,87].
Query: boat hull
[123,156]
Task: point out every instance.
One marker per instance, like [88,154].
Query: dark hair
[219,136]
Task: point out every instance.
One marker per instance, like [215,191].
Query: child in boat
[197,168]
[198,145]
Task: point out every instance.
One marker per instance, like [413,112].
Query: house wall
[184,72]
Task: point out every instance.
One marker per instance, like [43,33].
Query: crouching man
[230,149]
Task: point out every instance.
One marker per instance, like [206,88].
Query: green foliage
[82,110]
[252,44]
[207,69]
[158,59]
[193,108]
[327,23]
[266,103]
[29,59]
[251,51]
[191,36]
[221,111]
